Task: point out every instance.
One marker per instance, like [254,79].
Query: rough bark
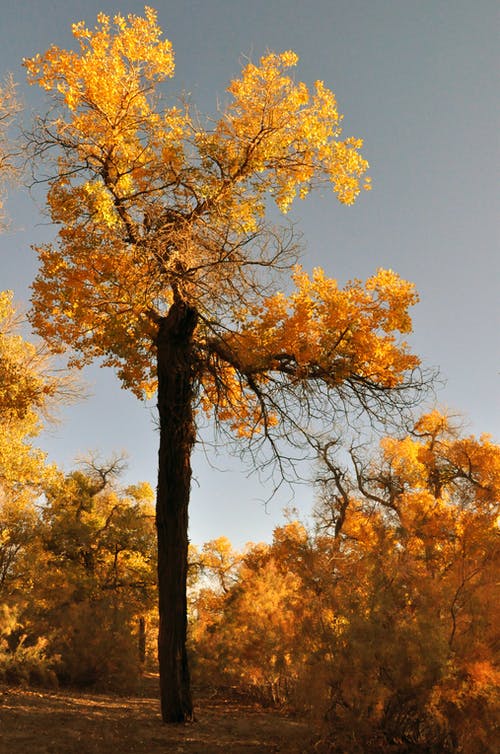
[141,642]
[177,435]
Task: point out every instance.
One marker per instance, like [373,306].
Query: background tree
[99,564]
[244,632]
[167,267]
[9,108]
[77,576]
[415,531]
[29,389]
[380,623]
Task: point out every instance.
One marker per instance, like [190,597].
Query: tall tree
[167,266]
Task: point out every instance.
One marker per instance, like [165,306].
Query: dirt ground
[68,722]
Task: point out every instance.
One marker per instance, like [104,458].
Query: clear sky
[418,81]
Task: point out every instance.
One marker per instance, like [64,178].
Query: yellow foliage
[319,331]
[387,628]
[27,390]
[338,331]
[153,205]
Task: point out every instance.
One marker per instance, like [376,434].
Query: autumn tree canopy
[167,209]
[167,267]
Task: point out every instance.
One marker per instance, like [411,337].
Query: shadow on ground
[68,722]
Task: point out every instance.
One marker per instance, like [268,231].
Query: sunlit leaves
[286,137]
[341,331]
[105,75]
[152,203]
[28,391]
[318,332]
[25,384]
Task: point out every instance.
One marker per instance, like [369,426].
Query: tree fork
[177,436]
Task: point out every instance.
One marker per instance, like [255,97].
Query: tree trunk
[177,436]
[141,641]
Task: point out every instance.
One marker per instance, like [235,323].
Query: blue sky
[417,80]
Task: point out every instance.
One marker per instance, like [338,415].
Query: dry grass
[68,722]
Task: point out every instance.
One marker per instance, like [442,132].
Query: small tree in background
[413,537]
[168,269]
[9,108]
[98,557]
[29,392]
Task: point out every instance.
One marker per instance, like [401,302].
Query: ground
[69,722]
